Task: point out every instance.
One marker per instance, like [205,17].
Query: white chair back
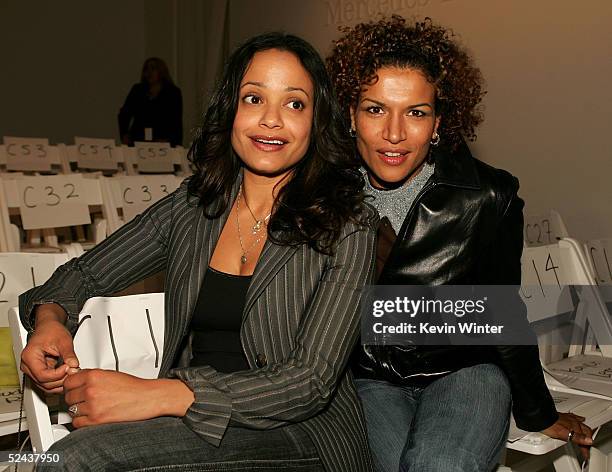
[117,333]
[18,273]
[130,195]
[548,272]
[54,204]
[599,252]
[22,271]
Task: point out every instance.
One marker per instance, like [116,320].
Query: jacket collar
[456,168]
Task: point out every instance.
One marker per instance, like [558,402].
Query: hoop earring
[435,140]
[352,133]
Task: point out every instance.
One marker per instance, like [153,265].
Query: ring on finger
[569,436]
[73,410]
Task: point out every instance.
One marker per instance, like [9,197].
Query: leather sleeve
[533,406]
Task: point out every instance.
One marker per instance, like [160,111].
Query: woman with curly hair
[266,250]
[411,93]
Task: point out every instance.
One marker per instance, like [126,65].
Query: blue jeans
[457,423]
[166,443]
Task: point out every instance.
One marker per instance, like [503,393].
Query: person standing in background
[153,110]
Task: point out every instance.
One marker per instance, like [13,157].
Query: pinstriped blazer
[299,323]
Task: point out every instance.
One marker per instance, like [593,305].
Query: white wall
[548,67]
[68,65]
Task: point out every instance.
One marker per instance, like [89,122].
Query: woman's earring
[352,133]
[435,140]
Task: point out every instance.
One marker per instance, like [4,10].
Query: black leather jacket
[464,227]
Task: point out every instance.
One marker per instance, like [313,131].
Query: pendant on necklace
[257,226]
[243,259]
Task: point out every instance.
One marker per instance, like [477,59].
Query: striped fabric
[299,324]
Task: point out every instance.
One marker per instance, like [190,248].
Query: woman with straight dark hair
[153,110]
[266,250]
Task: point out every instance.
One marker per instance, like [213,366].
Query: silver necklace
[258,223]
[256,228]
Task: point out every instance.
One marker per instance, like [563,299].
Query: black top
[216,322]
[163,113]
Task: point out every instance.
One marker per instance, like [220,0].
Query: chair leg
[566,461]
[502,458]
[598,461]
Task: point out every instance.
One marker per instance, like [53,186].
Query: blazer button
[261,361]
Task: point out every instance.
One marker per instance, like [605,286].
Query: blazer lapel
[206,235]
[271,260]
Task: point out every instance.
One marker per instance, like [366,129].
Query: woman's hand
[50,341]
[568,422]
[106,396]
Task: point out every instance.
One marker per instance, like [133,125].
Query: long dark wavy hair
[324,190]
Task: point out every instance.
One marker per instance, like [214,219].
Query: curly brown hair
[425,46]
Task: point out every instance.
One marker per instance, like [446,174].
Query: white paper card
[140,192]
[540,230]
[93,153]
[600,252]
[122,333]
[53,201]
[543,287]
[27,154]
[154,157]
[20,272]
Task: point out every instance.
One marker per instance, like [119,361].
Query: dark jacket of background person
[464,228]
[299,325]
[163,113]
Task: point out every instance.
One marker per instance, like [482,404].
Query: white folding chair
[95,155]
[130,195]
[51,155]
[145,316]
[557,267]
[11,204]
[176,155]
[599,258]
[18,273]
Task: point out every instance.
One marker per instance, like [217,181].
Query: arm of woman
[302,384]
[532,405]
[130,254]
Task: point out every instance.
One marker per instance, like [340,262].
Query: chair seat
[596,411]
